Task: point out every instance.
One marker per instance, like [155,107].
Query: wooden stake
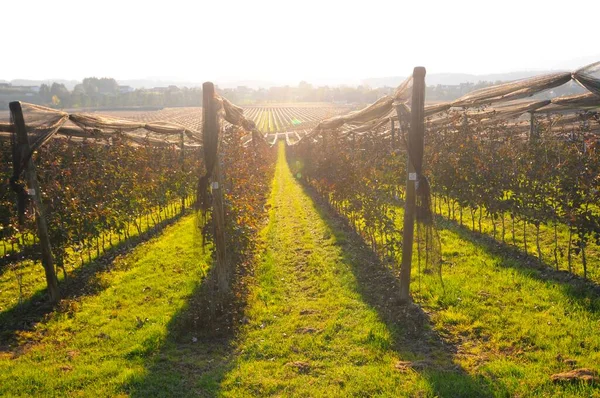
[34,189]
[211,131]
[532,132]
[182,170]
[415,158]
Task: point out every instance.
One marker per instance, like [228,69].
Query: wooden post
[393,133]
[34,189]
[415,157]
[211,131]
[532,133]
[183,171]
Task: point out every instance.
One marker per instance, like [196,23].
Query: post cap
[208,86]
[419,71]
[14,106]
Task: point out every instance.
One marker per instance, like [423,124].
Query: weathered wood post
[211,131]
[183,193]
[415,144]
[23,148]
[532,130]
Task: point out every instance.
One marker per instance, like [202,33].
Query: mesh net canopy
[499,102]
[44,123]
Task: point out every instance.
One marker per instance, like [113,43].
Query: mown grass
[24,280]
[511,322]
[322,319]
[309,332]
[95,344]
[525,236]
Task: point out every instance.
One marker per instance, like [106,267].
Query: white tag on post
[412,176]
[30,191]
[215,185]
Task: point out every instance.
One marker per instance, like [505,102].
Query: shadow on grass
[198,351]
[421,348]
[193,360]
[80,282]
[584,291]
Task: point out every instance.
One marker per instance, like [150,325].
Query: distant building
[125,89]
[7,87]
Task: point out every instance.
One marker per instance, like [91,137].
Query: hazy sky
[287,41]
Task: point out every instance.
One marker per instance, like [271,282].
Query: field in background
[272,118]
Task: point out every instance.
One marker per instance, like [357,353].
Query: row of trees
[549,180]
[95,92]
[96,194]
[106,92]
[495,173]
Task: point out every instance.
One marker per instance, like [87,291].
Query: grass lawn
[93,345]
[322,319]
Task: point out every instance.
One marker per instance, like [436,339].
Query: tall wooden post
[183,195]
[34,190]
[211,131]
[415,157]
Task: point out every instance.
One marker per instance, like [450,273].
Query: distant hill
[453,79]
[151,83]
[253,84]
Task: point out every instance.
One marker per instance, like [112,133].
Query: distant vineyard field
[272,118]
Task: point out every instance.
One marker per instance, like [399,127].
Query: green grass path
[310,333]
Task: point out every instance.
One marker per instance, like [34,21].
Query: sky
[289,41]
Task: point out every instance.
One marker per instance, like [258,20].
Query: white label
[31,192]
[412,176]
[215,185]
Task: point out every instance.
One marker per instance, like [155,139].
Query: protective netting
[513,90]
[429,243]
[480,104]
[373,115]
[44,123]
[586,77]
[234,115]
